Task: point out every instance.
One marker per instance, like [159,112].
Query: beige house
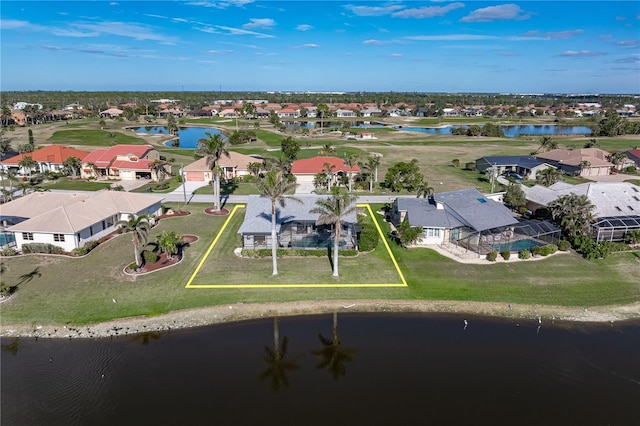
[583,162]
[236,165]
[70,220]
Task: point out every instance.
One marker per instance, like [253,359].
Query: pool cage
[614,228]
[523,235]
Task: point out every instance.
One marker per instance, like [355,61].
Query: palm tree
[213,148]
[327,149]
[328,170]
[547,144]
[277,364]
[323,111]
[94,169]
[574,214]
[255,168]
[274,186]
[371,168]
[549,176]
[593,143]
[333,210]
[350,161]
[139,228]
[424,190]
[168,242]
[28,164]
[584,164]
[72,165]
[10,175]
[333,356]
[158,166]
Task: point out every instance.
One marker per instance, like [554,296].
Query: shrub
[506,254]
[149,256]
[537,251]
[369,236]
[564,245]
[9,251]
[524,254]
[492,256]
[260,253]
[79,251]
[42,248]
[548,249]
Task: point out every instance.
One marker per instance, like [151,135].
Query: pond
[188,136]
[512,131]
[390,369]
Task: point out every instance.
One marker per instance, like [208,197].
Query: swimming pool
[518,245]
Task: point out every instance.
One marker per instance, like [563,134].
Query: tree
[274,187]
[169,242]
[327,149]
[290,148]
[333,357]
[333,210]
[27,164]
[403,176]
[424,190]
[371,168]
[102,124]
[172,125]
[593,143]
[573,213]
[255,168]
[617,158]
[139,228]
[72,166]
[611,125]
[213,148]
[32,140]
[349,162]
[549,176]
[323,111]
[408,235]
[277,364]
[547,144]
[327,168]
[94,169]
[515,197]
[455,162]
[158,166]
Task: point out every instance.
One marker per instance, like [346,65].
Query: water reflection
[333,356]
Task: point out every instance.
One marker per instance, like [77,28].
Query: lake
[513,131]
[188,136]
[394,369]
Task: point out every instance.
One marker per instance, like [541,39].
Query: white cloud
[307,46]
[10,24]
[628,43]
[219,52]
[557,35]
[122,29]
[219,4]
[375,42]
[304,27]
[264,23]
[427,11]
[373,10]
[451,37]
[239,31]
[495,13]
[581,54]
[396,55]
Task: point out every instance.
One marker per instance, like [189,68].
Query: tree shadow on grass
[23,279]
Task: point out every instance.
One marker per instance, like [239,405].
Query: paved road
[178,197]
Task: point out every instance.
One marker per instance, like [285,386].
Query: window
[58,237]
[91,231]
[259,239]
[110,221]
[432,232]
[104,225]
[27,236]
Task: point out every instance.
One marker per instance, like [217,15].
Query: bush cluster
[42,248]
[260,253]
[492,256]
[564,245]
[524,254]
[81,251]
[9,251]
[149,256]
[592,250]
[369,236]
[506,254]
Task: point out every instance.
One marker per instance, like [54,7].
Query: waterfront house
[50,158]
[127,162]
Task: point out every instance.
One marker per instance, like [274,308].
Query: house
[466,219]
[295,227]
[524,165]
[583,162]
[306,170]
[634,155]
[111,113]
[616,205]
[127,162]
[371,112]
[288,113]
[70,220]
[345,113]
[51,158]
[235,165]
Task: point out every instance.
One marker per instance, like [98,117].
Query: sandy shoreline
[240,311]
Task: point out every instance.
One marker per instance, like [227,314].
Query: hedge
[260,253]
[42,248]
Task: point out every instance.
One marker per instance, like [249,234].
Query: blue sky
[351,45]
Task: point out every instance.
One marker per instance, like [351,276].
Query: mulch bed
[211,211]
[163,260]
[174,214]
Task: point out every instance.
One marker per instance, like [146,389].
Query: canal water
[513,131]
[389,369]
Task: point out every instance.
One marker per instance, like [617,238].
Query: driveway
[620,177]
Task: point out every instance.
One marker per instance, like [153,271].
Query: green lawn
[75,185]
[90,137]
[92,282]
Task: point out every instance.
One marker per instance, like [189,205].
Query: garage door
[304,179]
[195,176]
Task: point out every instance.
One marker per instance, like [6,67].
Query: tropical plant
[349,162]
[514,197]
[424,190]
[94,169]
[72,166]
[290,148]
[407,235]
[322,111]
[327,168]
[255,168]
[455,162]
[213,148]
[593,143]
[549,176]
[158,166]
[274,187]
[277,364]
[327,149]
[139,227]
[333,210]
[169,242]
[404,176]
[333,357]
[547,144]
[370,167]
[28,164]
[574,214]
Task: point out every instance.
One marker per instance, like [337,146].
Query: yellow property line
[241,286]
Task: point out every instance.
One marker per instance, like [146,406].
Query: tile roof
[68,213]
[316,165]
[235,159]
[102,157]
[257,217]
[55,154]
[573,157]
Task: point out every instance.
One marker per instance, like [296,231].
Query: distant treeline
[194,100]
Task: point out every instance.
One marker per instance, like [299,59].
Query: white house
[70,220]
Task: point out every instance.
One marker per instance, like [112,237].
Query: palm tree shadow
[330,255]
[25,278]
